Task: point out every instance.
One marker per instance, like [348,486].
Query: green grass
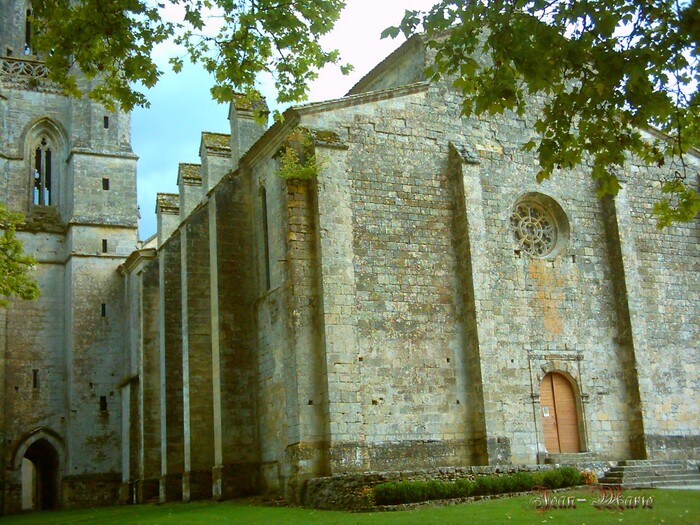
[670,507]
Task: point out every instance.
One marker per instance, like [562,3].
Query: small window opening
[105,122]
[105,183]
[8,52]
[103,403]
[42,194]
[266,236]
[28,33]
[92,386]
[35,379]
[104,245]
[103,309]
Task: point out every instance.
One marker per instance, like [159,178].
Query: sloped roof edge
[409,45]
[216,142]
[275,134]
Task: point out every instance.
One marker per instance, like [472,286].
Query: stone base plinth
[126,493]
[170,488]
[235,480]
[147,490]
[90,490]
[196,485]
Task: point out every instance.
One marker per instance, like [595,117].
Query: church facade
[420,301]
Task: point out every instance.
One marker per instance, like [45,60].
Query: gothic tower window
[45,154]
[41,174]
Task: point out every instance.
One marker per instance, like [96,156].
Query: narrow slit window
[28,33]
[103,403]
[105,183]
[104,245]
[266,236]
[105,122]
[103,309]
[35,379]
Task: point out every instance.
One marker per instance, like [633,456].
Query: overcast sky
[169,132]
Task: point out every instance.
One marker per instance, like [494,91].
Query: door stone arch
[560,414]
[38,459]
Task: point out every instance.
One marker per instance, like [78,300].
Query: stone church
[419,302]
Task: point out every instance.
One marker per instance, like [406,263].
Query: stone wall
[149,382]
[661,277]
[438,335]
[171,371]
[275,382]
[198,412]
[233,358]
[349,491]
[87,491]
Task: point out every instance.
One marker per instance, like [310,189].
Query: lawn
[669,506]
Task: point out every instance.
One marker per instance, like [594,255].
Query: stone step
[651,473]
[652,468]
[652,484]
[637,462]
[570,458]
[620,474]
[694,478]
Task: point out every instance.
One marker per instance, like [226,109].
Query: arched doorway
[559,414]
[40,477]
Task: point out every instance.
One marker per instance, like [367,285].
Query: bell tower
[68,166]
[15,27]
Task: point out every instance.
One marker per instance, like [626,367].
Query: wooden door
[559,417]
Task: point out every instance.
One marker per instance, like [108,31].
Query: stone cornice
[80,150]
[137,260]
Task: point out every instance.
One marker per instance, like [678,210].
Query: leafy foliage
[398,492]
[113,40]
[604,71]
[15,267]
[298,160]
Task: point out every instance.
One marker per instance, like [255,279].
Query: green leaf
[390,32]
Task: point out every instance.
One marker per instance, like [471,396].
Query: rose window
[534,228]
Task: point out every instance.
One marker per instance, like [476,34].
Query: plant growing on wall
[15,266]
[297,160]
